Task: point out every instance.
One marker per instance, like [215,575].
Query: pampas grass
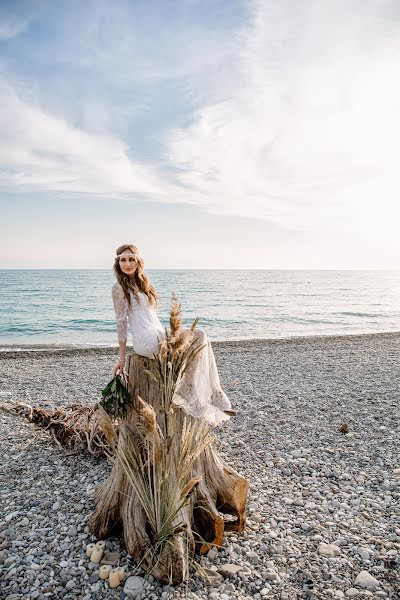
[175,316]
[108,427]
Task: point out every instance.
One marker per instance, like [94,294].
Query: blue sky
[212,134]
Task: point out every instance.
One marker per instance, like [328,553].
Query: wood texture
[220,491]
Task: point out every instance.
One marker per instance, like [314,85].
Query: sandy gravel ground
[324,516]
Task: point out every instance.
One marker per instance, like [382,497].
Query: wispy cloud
[41,151]
[291,117]
[308,137]
[16,17]
[69,123]
[11,27]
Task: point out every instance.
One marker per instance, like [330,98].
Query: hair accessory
[127,254]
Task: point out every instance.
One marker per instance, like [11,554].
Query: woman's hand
[119,366]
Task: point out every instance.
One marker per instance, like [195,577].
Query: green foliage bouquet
[115,398]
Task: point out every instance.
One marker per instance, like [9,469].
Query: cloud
[306,132]
[11,28]
[39,151]
[16,17]
[293,116]
[68,122]
[131,44]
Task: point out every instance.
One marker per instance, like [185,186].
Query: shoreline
[37,350]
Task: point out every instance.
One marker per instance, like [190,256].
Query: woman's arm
[122,350]
[121,317]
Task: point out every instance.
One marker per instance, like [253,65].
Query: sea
[74,307]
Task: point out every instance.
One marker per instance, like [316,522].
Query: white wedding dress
[199,392]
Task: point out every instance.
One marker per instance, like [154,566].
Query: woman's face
[127,262]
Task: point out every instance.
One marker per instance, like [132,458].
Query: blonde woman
[135,302]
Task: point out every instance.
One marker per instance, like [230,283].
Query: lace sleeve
[121,312]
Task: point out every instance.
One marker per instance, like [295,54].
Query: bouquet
[115,398]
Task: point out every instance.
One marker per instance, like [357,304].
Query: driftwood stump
[220,491]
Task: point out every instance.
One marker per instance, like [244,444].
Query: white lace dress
[199,393]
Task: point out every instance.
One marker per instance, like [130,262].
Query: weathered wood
[74,428]
[220,490]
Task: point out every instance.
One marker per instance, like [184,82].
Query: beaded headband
[127,254]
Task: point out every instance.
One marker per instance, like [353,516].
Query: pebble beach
[324,505]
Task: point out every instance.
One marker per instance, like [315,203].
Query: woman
[135,302]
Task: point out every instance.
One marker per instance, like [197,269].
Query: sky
[211,134]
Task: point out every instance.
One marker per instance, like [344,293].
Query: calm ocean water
[75,306]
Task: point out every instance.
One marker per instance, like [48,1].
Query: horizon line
[200,269]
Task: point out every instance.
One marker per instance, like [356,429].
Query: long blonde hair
[139,281]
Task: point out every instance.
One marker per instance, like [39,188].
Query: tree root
[75,428]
